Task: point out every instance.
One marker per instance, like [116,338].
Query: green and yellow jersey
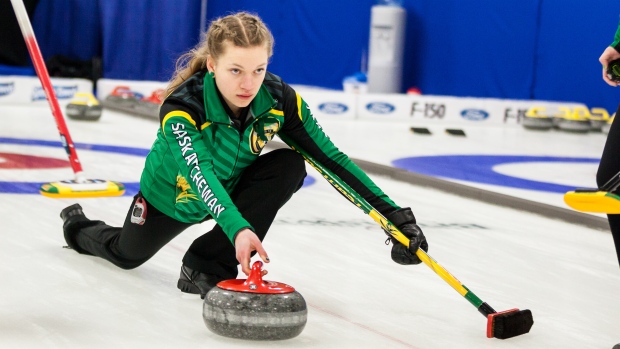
[199,154]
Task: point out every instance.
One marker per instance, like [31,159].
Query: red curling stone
[254,308]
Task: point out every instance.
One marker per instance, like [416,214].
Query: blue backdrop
[523,49]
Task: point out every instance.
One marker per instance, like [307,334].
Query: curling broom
[601,200]
[80,186]
[502,325]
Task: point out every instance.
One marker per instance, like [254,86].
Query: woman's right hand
[246,242]
[608,55]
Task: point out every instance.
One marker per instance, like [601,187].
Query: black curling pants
[608,167]
[264,187]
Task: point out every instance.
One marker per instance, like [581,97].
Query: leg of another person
[609,167]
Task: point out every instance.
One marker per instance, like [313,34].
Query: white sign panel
[330,104]
[28,89]
[467,111]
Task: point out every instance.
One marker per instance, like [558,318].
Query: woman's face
[239,73]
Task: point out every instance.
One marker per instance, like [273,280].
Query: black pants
[264,187]
[609,166]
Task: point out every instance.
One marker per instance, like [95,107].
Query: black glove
[404,220]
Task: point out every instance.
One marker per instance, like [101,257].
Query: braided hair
[242,29]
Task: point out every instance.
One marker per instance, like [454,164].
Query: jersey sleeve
[181,129]
[616,43]
[301,127]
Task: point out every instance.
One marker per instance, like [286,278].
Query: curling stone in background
[607,126]
[149,106]
[123,96]
[254,308]
[84,106]
[536,118]
[577,120]
[598,118]
[560,114]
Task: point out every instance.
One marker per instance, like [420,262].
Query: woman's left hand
[608,55]
[246,242]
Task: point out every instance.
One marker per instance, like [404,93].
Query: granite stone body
[254,316]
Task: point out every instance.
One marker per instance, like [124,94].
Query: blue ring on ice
[33,187]
[479,169]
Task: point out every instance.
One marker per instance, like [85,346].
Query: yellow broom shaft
[430,262]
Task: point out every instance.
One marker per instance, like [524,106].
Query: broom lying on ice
[80,186]
[502,325]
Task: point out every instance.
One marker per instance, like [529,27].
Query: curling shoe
[195,282]
[73,219]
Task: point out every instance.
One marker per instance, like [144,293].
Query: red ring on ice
[21,161]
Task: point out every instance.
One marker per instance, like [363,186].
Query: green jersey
[199,154]
[616,43]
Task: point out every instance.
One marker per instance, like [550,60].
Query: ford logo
[380,108]
[7,88]
[62,92]
[333,108]
[474,114]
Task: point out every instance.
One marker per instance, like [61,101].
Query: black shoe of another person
[195,282]
[73,220]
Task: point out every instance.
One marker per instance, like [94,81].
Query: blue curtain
[517,49]
[137,40]
[464,48]
[68,27]
[318,42]
[142,39]
[573,35]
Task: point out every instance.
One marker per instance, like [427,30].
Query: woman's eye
[234,71]
[260,70]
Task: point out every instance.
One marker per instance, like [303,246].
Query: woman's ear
[210,64]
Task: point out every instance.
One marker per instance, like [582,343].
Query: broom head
[509,323]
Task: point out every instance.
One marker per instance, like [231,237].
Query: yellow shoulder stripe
[205,125]
[176,113]
[277,112]
[299,105]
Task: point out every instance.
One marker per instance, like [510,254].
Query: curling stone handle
[255,283]
[255,279]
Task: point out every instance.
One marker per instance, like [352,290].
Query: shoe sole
[188,287]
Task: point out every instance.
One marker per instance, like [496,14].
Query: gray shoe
[195,282]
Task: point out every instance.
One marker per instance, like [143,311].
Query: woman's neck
[236,111]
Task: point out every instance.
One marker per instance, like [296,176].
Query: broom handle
[41,69]
[612,184]
[361,203]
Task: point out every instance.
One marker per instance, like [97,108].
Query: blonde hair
[241,29]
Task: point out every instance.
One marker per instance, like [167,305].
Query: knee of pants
[116,257]
[128,265]
[292,165]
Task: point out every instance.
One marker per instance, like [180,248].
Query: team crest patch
[184,190]
[262,132]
